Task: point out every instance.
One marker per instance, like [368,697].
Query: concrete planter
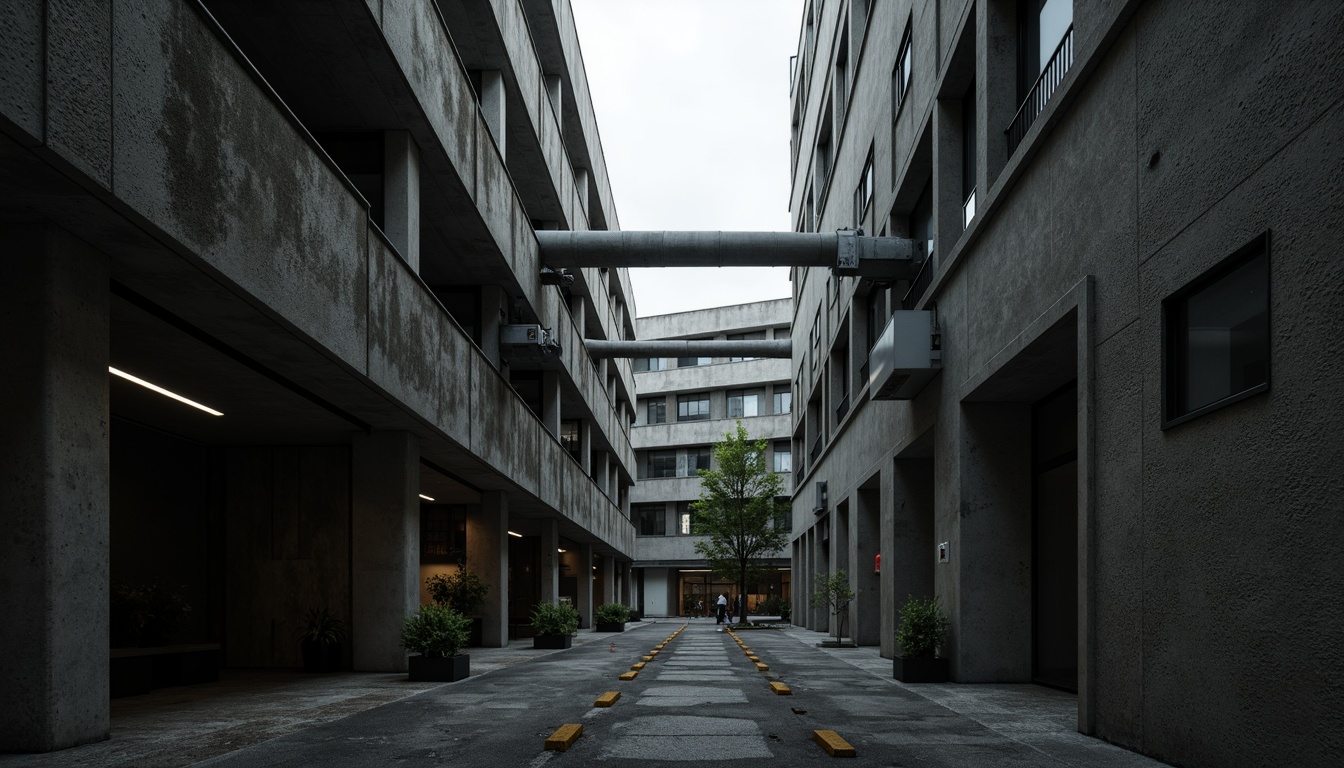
[919,669]
[615,626]
[439,669]
[551,642]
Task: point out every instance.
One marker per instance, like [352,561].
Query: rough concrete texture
[385,547]
[517,697]
[54,555]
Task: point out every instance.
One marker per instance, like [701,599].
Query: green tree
[835,594]
[737,510]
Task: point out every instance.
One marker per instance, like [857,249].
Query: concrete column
[493,106]
[864,620]
[581,188]
[488,556]
[609,580]
[585,578]
[54,492]
[840,530]
[555,92]
[600,469]
[798,563]
[384,546]
[549,564]
[626,595]
[578,312]
[550,402]
[401,195]
[586,446]
[996,72]
[494,311]
[947,163]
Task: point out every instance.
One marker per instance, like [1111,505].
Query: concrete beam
[776,348]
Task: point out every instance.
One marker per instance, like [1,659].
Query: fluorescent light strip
[516,535]
[163,391]
[426,498]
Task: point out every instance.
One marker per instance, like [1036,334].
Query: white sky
[692,101]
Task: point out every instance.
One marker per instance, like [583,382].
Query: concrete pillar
[384,546]
[494,311]
[609,579]
[550,402]
[840,530]
[600,474]
[54,492]
[996,72]
[947,199]
[488,556]
[799,566]
[627,596]
[401,195]
[586,446]
[555,93]
[864,619]
[493,106]
[585,578]
[549,564]
[581,188]
[578,312]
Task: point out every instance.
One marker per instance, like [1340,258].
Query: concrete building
[686,405]
[317,220]
[1103,424]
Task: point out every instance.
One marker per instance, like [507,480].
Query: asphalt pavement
[700,699]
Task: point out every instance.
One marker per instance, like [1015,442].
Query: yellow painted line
[629,675]
[780,689]
[834,745]
[762,667]
[637,666]
[753,658]
[564,737]
[654,652]
[607,699]
[646,658]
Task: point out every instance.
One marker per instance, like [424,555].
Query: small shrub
[611,613]
[463,590]
[436,630]
[322,628]
[923,627]
[554,619]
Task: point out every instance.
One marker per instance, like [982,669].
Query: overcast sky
[692,101]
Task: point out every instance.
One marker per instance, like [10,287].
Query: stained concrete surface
[700,700]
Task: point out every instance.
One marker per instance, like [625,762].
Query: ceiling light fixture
[516,535]
[426,498]
[162,391]
[562,551]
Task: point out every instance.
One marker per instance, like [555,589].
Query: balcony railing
[817,445]
[1039,95]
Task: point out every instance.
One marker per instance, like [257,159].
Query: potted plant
[437,634]
[463,591]
[610,617]
[321,641]
[554,625]
[923,628]
[835,593]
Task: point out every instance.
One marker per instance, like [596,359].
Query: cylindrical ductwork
[562,249]
[689,348]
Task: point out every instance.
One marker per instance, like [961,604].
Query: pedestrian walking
[722,610]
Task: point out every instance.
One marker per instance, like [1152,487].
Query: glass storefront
[699,589]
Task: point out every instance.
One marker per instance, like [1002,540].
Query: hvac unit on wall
[906,356]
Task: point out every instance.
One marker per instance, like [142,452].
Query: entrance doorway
[1055,539]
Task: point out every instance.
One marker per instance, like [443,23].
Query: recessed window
[661,464]
[697,459]
[657,411]
[643,364]
[693,407]
[900,77]
[783,456]
[1216,345]
[652,519]
[743,403]
[783,401]
[863,193]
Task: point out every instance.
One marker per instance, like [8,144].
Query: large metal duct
[689,348]
[845,251]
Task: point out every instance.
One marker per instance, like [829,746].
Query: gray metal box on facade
[905,357]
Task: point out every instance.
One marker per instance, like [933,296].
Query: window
[783,402]
[693,407]
[697,459]
[825,155]
[1216,346]
[968,154]
[656,411]
[840,83]
[569,437]
[1044,55]
[685,518]
[652,519]
[689,362]
[650,364]
[743,403]
[443,534]
[863,194]
[753,336]
[660,464]
[814,338]
[783,456]
[900,77]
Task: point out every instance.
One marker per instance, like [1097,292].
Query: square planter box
[551,642]
[439,669]
[919,669]
[616,626]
